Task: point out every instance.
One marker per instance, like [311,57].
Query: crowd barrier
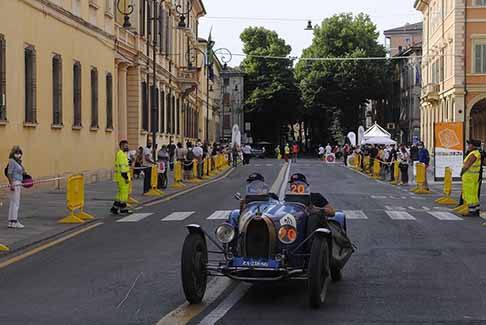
[421,180]
[178,175]
[131,200]
[75,201]
[4,248]
[154,182]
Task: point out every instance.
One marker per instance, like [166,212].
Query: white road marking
[284,182]
[178,216]
[136,217]
[400,215]
[379,197]
[226,305]
[419,209]
[219,215]
[269,165]
[442,215]
[355,214]
[395,208]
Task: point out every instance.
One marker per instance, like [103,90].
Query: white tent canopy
[377,135]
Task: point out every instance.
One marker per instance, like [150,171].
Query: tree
[273,98]
[334,92]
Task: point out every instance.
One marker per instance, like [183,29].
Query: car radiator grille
[257,241]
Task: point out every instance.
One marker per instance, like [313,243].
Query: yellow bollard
[4,248]
[195,179]
[420,180]
[396,173]
[75,201]
[131,200]
[178,175]
[154,181]
[376,169]
[367,164]
[447,199]
[206,163]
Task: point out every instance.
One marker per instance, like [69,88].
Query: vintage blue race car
[269,240]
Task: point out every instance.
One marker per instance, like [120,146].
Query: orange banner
[449,136]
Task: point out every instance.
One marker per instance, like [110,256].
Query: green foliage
[338,90]
[272,95]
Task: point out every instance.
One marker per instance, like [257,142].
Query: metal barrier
[376,169]
[4,248]
[367,164]
[154,182]
[206,167]
[178,175]
[447,199]
[421,180]
[75,201]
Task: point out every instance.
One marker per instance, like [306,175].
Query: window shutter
[169,36]
[77,93]
[162,112]
[161,27]
[94,98]
[57,90]
[30,85]
[3,80]
[169,126]
[144,107]
[109,101]
[143,6]
[149,20]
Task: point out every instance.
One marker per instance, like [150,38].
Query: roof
[376,131]
[233,70]
[407,28]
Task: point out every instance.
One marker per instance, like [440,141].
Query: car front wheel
[319,272]
[193,267]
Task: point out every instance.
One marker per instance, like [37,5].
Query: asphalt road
[412,264]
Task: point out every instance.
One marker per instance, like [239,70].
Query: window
[56,90]
[178,109]
[479,57]
[145,108]
[226,82]
[169,115]
[162,112]
[143,5]
[77,122]
[77,7]
[161,27]
[3,79]
[154,102]
[480,2]
[94,98]
[109,6]
[173,108]
[109,101]
[30,85]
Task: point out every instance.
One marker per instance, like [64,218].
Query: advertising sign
[449,148]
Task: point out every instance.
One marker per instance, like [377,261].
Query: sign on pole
[449,148]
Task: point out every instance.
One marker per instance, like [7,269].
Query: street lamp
[126,11]
[226,57]
[309,25]
[183,13]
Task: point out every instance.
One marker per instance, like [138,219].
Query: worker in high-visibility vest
[286,152]
[470,177]
[122,178]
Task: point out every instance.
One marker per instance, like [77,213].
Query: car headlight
[287,234]
[225,233]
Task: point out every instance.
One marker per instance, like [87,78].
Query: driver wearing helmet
[257,182]
[319,204]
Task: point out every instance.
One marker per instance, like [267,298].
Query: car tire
[336,274]
[319,272]
[193,267]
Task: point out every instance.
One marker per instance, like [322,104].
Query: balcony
[431,92]
[188,79]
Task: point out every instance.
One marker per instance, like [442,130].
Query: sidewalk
[40,211]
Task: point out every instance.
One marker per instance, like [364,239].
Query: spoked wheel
[319,272]
[193,267]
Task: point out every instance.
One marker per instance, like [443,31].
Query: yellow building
[181,75]
[74,81]
[454,65]
[56,81]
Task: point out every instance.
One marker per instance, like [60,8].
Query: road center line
[284,182]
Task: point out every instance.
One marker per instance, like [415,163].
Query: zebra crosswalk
[392,213]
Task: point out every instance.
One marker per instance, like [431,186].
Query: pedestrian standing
[392,158]
[295,152]
[320,153]
[171,149]
[246,154]
[163,161]
[180,155]
[346,152]
[470,178]
[189,162]
[15,174]
[234,154]
[122,178]
[148,162]
[424,158]
[198,152]
[404,158]
[278,152]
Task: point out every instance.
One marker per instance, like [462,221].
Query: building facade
[453,66]
[405,45]
[56,97]
[232,113]
[74,81]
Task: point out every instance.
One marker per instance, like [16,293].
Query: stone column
[122,102]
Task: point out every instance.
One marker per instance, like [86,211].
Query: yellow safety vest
[287,150]
[475,169]
[121,165]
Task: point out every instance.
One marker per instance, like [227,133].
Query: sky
[228,18]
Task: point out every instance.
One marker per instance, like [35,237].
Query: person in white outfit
[15,174]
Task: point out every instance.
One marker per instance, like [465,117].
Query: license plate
[257,263]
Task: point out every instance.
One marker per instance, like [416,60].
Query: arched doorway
[478,121]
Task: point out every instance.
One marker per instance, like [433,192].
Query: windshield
[257,188]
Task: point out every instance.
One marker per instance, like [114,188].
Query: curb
[51,235]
